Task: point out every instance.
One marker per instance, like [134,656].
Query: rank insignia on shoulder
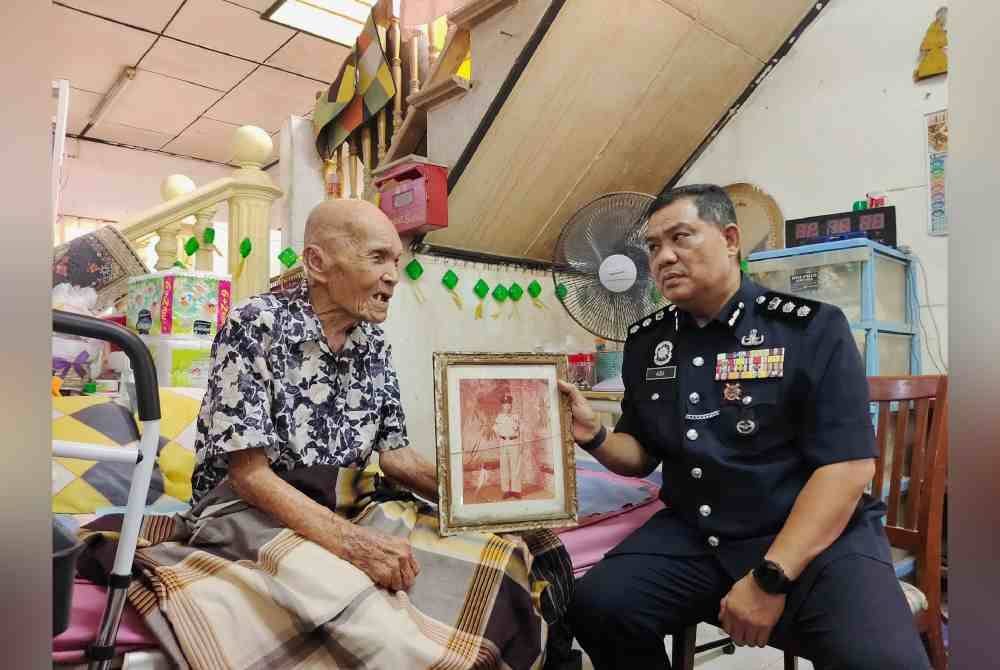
[793,309]
[647,321]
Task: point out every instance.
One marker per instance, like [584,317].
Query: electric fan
[601,260]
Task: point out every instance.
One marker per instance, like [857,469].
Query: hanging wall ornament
[246,246]
[288,258]
[208,239]
[450,281]
[516,293]
[414,270]
[561,291]
[535,290]
[481,289]
[500,294]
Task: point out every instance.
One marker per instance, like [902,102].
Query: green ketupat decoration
[744,266]
[246,246]
[288,257]
[481,289]
[450,281]
[500,294]
[535,290]
[208,239]
[561,291]
[516,293]
[191,246]
[414,270]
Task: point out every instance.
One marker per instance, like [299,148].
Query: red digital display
[838,226]
[806,230]
[872,221]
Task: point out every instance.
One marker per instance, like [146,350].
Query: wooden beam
[439,93]
[472,14]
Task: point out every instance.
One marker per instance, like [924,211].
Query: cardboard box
[178,302]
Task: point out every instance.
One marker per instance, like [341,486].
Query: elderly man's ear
[317,263]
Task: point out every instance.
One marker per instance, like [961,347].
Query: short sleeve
[392,422]
[837,423]
[236,413]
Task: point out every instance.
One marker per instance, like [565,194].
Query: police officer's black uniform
[741,412]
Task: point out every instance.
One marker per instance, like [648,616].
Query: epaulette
[650,319]
[790,308]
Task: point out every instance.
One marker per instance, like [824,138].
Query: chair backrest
[910,471]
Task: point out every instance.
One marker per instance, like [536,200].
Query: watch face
[769,577]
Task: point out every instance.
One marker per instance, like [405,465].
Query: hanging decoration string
[500,294]
[246,246]
[534,291]
[481,289]
[516,293]
[414,270]
[450,281]
[208,239]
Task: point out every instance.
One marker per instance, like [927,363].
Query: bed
[610,507]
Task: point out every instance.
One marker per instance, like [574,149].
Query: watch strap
[596,441]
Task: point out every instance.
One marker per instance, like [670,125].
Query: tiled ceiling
[204,67]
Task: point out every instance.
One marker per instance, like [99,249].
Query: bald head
[343,222]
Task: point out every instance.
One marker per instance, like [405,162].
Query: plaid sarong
[225,586]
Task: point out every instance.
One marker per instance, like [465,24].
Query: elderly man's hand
[387,560]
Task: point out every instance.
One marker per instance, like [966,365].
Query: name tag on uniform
[664,373]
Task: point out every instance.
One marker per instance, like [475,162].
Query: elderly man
[304,381]
[755,403]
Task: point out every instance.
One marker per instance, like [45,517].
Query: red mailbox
[413,193]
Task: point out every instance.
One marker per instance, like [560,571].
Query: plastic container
[581,370]
[609,365]
[65,550]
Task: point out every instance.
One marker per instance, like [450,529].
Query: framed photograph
[504,448]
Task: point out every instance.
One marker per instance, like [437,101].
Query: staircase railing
[188,211]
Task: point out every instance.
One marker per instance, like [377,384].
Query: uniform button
[704,510]
[698,361]
[692,435]
[747,399]
[713,541]
[696,473]
[655,396]
[694,398]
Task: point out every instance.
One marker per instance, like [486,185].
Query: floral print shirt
[276,384]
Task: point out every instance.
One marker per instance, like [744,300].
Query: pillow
[85,487]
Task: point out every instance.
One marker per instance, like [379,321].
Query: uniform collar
[736,315]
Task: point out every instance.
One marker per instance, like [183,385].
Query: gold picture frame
[505,453]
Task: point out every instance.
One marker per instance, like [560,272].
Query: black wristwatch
[596,441]
[771,578]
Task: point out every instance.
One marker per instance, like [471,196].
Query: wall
[841,116]
[416,330]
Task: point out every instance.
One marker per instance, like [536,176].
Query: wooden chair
[910,475]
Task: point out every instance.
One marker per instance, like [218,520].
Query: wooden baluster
[204,259]
[343,190]
[415,63]
[353,165]
[186,233]
[397,73]
[382,148]
[433,50]
[366,161]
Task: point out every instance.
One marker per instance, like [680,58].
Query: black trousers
[855,616]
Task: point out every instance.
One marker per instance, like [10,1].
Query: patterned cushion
[85,487]
[915,598]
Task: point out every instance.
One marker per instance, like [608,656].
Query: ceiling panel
[229,28]
[265,99]
[125,134]
[311,56]
[258,6]
[149,14]
[206,138]
[92,52]
[196,65]
[160,103]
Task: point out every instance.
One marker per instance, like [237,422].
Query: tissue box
[181,361]
[178,302]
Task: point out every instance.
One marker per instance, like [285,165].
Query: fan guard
[602,261]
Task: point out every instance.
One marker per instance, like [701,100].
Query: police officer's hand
[585,421]
[748,613]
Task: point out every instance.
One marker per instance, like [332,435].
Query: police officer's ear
[732,235]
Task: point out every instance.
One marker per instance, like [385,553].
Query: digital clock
[878,224]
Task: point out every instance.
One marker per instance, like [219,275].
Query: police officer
[755,403]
